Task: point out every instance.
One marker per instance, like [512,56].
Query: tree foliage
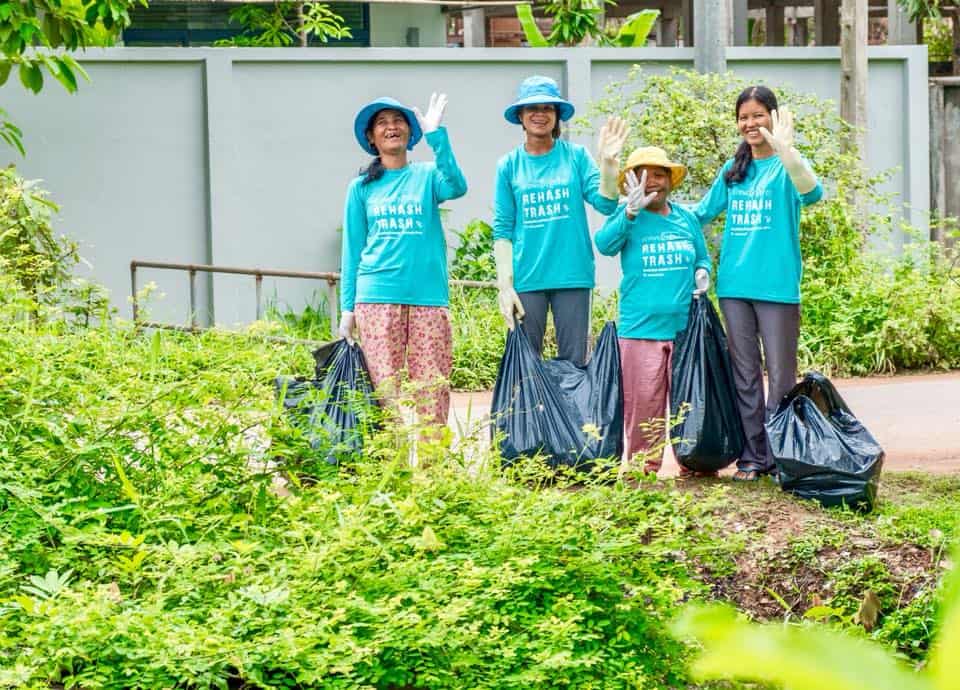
[37,37]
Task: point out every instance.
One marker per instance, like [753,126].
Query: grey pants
[571,320]
[777,327]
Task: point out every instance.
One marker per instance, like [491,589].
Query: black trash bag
[822,451]
[334,408]
[710,435]
[549,407]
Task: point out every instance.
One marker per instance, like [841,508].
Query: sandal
[746,476]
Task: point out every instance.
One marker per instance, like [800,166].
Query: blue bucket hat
[534,91]
[369,111]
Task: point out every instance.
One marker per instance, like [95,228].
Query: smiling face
[389,132]
[751,116]
[660,181]
[539,120]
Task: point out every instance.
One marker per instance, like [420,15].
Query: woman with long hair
[761,190]
[394,261]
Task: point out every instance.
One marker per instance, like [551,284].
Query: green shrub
[147,540]
[40,262]
[938,35]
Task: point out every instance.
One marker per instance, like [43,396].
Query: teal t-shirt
[659,256]
[760,252]
[538,204]
[394,249]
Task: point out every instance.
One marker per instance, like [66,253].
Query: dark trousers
[571,320]
[776,326]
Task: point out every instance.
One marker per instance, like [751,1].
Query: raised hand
[637,198]
[613,135]
[431,121]
[781,139]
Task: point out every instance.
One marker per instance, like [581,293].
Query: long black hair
[375,170]
[744,155]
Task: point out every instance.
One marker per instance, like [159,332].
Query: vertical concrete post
[710,35]
[474,28]
[938,168]
[217,81]
[853,68]
[738,16]
[900,30]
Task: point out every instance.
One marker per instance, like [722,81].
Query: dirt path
[916,418]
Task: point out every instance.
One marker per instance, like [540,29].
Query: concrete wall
[241,157]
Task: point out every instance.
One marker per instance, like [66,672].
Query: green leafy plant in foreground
[805,657]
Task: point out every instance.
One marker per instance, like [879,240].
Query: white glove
[431,121]
[347,325]
[637,198]
[510,305]
[613,135]
[702,279]
[781,141]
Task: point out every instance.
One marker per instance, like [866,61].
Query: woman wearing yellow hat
[665,263]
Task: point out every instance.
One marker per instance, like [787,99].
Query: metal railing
[330,278]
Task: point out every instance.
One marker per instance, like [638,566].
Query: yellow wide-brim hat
[656,156]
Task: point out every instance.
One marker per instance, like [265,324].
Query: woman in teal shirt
[665,263]
[761,190]
[541,237]
[394,260]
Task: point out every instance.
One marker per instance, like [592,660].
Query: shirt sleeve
[354,240]
[700,245]
[448,180]
[715,201]
[612,237]
[815,194]
[504,204]
[590,183]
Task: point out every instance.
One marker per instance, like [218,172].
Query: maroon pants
[646,389]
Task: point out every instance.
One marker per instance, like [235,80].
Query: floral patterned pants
[394,335]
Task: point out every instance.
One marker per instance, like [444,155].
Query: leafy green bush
[154,533]
[38,261]
[938,35]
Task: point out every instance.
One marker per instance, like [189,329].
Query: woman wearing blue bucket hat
[542,245]
[394,261]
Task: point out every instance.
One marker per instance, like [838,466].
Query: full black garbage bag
[334,408]
[710,435]
[822,451]
[552,407]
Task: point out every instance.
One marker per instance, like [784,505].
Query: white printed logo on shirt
[666,252]
[541,205]
[750,210]
[392,218]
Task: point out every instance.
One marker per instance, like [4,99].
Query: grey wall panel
[124,159]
